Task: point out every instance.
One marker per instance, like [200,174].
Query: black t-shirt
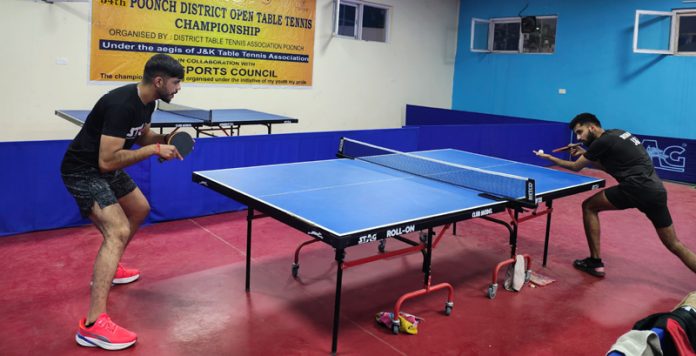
[625,159]
[119,113]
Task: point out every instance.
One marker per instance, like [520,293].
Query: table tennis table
[219,120]
[346,202]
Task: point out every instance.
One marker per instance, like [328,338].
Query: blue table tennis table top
[346,197]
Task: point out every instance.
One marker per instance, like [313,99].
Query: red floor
[190,299]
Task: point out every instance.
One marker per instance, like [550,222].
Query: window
[479,35]
[348,20]
[506,36]
[543,39]
[514,34]
[663,32]
[686,33]
[374,24]
[361,20]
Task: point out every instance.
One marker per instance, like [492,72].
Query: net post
[530,192]
[341,141]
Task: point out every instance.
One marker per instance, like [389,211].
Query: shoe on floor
[593,266]
[104,333]
[125,275]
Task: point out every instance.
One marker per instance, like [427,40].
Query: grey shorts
[89,186]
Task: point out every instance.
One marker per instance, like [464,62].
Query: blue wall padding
[509,141]
[423,115]
[673,158]
[33,195]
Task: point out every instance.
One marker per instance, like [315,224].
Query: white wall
[357,84]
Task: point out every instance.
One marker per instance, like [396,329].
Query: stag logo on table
[367,238]
[670,158]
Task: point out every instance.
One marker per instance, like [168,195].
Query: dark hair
[584,118]
[162,65]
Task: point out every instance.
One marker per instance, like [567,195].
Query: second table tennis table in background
[203,121]
[380,193]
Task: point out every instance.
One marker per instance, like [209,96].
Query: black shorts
[652,202]
[89,186]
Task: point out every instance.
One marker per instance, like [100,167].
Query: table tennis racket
[183,143]
[566,148]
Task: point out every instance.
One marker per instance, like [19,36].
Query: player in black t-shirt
[92,173]
[622,155]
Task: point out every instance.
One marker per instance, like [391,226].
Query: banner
[239,42]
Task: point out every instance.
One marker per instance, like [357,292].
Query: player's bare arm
[113,156]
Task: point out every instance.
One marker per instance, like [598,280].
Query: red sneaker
[105,334]
[125,275]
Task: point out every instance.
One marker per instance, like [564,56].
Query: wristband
[158,148]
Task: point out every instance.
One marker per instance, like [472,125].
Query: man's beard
[164,95]
[590,138]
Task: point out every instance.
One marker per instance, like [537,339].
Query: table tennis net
[186,111]
[501,185]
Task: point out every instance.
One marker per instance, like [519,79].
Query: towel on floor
[515,275]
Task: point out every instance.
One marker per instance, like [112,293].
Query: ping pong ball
[541,152]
